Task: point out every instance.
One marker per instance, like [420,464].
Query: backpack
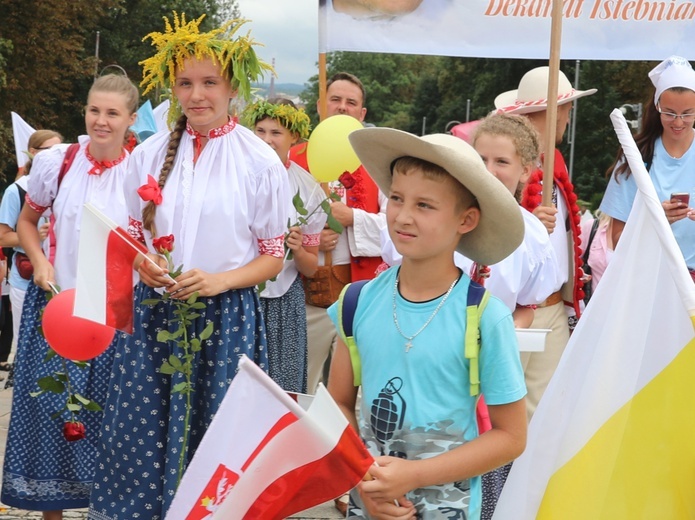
[476,302]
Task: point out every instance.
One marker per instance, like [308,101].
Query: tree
[389,80]
[48,63]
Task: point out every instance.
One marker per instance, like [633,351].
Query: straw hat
[501,226]
[532,94]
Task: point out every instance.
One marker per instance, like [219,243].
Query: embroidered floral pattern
[135,229]
[99,167]
[272,246]
[215,132]
[311,240]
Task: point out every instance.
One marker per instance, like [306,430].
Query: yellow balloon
[329,153]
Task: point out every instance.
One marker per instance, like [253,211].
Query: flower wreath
[175,45]
[294,119]
[532,198]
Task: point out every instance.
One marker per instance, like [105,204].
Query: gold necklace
[409,339]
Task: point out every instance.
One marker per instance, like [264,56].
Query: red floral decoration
[73,431]
[532,198]
[164,244]
[151,191]
[347,180]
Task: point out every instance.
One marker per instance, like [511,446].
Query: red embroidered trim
[33,205]
[99,167]
[272,246]
[215,132]
[532,198]
[311,240]
[540,102]
[135,229]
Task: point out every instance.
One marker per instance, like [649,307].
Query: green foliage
[412,92]
[58,383]
[184,348]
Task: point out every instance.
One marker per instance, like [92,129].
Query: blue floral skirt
[42,470]
[285,319]
[142,432]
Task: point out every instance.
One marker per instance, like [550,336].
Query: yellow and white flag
[614,436]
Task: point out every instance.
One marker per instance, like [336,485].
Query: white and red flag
[104,286]
[264,456]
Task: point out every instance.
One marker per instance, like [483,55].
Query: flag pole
[322,86]
[551,112]
[323,22]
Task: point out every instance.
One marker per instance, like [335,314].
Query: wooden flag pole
[322,86]
[551,112]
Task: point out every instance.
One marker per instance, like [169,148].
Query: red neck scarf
[99,167]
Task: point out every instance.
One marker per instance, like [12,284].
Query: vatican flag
[612,438]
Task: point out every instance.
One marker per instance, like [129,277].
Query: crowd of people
[450,236]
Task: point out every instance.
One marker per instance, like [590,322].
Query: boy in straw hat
[418,385]
[530,99]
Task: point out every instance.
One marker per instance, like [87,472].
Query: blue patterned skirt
[142,432]
[42,470]
[285,319]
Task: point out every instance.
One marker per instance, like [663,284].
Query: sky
[288,29]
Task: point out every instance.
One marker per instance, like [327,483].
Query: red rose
[347,180]
[73,431]
[151,191]
[163,244]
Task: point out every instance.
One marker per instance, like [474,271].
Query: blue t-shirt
[417,404]
[669,176]
[10,207]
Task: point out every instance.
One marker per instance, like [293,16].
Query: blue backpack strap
[477,300]
[347,305]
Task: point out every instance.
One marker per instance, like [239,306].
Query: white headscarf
[672,72]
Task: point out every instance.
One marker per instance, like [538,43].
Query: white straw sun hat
[532,94]
[501,226]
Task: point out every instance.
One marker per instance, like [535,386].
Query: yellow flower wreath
[176,44]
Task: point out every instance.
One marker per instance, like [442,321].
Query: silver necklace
[409,339]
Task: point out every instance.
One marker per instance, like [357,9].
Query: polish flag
[264,456]
[104,286]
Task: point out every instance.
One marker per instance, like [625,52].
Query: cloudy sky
[289,31]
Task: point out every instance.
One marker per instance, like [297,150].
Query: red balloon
[72,337]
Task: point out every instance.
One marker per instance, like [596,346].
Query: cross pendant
[408,346]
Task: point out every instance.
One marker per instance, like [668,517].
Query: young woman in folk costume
[221,194]
[42,470]
[279,123]
[10,207]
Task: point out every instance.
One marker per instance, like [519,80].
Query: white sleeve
[365,232]
[43,181]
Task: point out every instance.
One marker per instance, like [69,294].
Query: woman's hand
[676,210]
[294,238]
[44,275]
[154,275]
[197,281]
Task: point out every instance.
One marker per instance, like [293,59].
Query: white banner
[591,29]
